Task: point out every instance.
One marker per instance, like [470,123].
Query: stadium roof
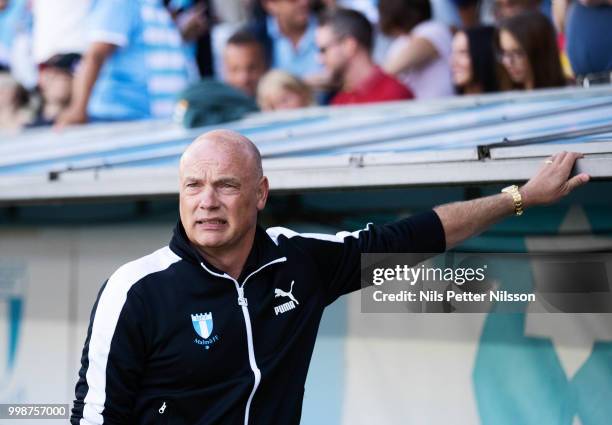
[463,140]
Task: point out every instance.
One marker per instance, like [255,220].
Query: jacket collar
[263,251]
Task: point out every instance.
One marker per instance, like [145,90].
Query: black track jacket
[172,340]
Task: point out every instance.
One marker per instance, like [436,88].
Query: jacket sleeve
[339,256]
[113,357]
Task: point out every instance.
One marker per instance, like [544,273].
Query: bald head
[213,145]
[222,189]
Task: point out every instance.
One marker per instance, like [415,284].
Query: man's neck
[357,72]
[294,34]
[232,260]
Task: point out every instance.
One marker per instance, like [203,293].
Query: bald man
[219,326]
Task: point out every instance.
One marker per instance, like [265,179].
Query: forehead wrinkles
[226,162]
[199,167]
[230,150]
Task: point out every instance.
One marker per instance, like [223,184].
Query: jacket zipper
[244,304]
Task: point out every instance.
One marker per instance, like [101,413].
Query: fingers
[554,157]
[559,157]
[564,160]
[577,181]
[59,124]
[567,163]
[570,159]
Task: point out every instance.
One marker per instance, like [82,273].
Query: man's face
[244,65]
[332,52]
[220,195]
[290,14]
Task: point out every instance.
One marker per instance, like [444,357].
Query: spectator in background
[469,12]
[587,27]
[59,27]
[345,39]
[133,68]
[59,38]
[420,52]
[55,85]
[528,51]
[288,34]
[280,90]
[244,62]
[504,9]
[474,65]
[194,22]
[366,7]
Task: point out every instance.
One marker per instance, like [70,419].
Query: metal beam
[146,183]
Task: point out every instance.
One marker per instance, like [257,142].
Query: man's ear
[263,188]
[350,45]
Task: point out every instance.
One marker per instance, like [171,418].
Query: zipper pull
[242,301]
[162,409]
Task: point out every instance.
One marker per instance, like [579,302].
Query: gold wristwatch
[516,198]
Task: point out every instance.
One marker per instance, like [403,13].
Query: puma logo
[289,305]
[280,293]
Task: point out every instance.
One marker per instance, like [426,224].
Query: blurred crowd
[66,62]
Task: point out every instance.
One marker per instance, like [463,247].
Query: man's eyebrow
[232,180]
[191,179]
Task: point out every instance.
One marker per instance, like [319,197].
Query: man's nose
[209,198]
[244,77]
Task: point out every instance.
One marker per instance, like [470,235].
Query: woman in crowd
[280,90]
[473,63]
[528,50]
[420,52]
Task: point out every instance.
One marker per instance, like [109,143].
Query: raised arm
[462,220]
[86,78]
[410,56]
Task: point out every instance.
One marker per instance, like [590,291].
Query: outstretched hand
[553,182]
[462,220]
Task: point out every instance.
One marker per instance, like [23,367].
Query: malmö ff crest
[203,326]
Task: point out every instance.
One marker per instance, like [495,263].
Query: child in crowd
[280,90]
[55,85]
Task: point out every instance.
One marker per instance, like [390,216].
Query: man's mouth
[211,222]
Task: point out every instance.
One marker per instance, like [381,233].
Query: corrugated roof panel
[400,134]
